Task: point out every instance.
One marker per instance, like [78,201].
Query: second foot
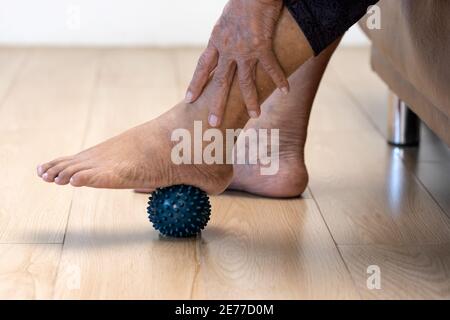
[290,181]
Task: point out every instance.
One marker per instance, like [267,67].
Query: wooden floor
[367,204]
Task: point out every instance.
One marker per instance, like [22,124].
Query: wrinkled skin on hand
[241,39]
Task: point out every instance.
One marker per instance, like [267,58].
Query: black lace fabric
[323,21]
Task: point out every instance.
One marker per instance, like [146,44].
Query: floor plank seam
[446,214]
[197,258]
[68,218]
[55,276]
[400,244]
[357,103]
[413,245]
[355,100]
[355,287]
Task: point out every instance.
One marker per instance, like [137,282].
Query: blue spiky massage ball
[179,211]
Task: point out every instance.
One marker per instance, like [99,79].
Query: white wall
[114,22]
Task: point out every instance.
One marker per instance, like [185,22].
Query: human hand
[240,40]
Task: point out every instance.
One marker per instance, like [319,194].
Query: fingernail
[253,114]
[213,120]
[285,90]
[189,97]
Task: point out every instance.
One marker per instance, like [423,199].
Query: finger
[270,64]
[221,83]
[246,76]
[206,64]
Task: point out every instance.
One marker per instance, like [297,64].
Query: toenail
[57,179]
[40,170]
[45,176]
[213,120]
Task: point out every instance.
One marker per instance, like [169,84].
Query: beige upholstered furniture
[411,53]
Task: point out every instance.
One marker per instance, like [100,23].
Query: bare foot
[289,114]
[138,158]
[291,179]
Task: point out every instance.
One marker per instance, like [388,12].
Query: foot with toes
[140,158]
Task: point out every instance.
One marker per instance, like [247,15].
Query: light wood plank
[109,236]
[31,211]
[418,272]
[11,59]
[253,247]
[366,194]
[43,117]
[28,271]
[430,149]
[334,110]
[353,68]
[102,222]
[119,255]
[73,69]
[258,248]
[435,176]
[139,68]
[186,60]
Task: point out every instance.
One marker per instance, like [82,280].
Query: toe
[43,168]
[65,175]
[40,170]
[81,178]
[53,172]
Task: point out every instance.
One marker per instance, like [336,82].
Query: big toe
[82,178]
[99,177]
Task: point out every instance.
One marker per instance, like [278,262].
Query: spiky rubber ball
[179,211]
